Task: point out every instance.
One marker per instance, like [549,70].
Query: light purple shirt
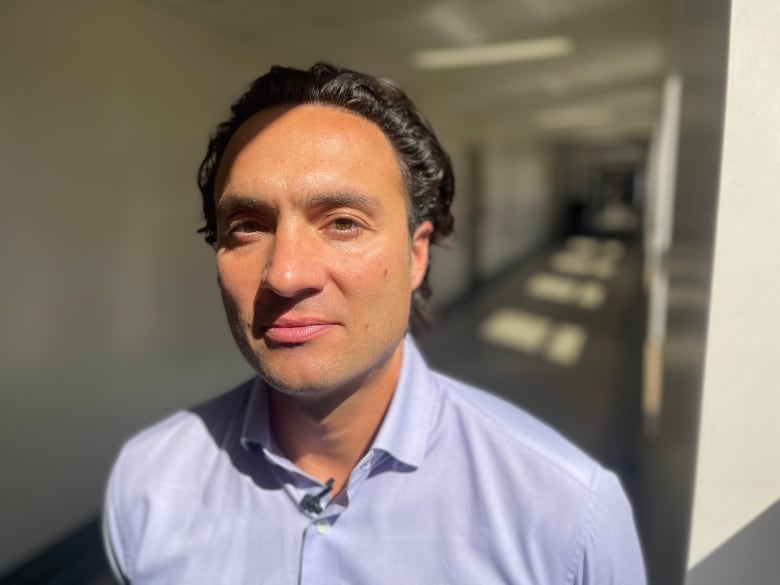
[458,487]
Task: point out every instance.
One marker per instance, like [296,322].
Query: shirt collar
[256,432]
[404,431]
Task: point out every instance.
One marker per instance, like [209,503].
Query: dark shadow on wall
[76,560]
[746,558]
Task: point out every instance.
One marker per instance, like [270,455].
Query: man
[347,460]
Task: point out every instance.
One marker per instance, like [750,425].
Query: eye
[244,229]
[344,224]
[344,227]
[246,226]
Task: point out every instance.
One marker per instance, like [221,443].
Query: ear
[421,239]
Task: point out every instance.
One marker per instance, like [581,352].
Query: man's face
[316,265]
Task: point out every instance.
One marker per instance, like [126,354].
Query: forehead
[308,144]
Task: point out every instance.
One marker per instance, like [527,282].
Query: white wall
[504,174]
[738,470]
[518,205]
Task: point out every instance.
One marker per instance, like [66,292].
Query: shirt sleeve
[608,551]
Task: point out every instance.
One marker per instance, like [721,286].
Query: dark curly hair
[425,166]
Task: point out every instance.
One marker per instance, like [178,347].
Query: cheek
[237,281]
[377,287]
[378,268]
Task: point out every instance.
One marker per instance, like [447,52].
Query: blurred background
[616,215]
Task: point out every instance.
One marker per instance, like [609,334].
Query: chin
[297,375]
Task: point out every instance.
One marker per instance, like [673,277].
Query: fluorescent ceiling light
[495,54]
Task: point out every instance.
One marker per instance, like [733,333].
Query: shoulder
[579,511]
[516,434]
[178,452]
[170,460]
[169,445]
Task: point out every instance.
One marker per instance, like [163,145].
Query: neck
[326,435]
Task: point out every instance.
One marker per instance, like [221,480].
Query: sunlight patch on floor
[587,294]
[515,329]
[559,342]
[566,344]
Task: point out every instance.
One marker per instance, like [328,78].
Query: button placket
[319,559]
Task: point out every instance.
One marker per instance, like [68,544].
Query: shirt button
[322,526]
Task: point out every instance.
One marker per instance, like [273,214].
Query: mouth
[295,331]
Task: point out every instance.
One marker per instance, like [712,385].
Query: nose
[294,266]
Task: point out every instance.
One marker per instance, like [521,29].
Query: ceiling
[608,88]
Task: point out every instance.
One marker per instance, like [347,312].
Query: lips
[296,331]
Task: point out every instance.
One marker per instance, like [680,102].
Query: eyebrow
[231,203]
[354,199]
